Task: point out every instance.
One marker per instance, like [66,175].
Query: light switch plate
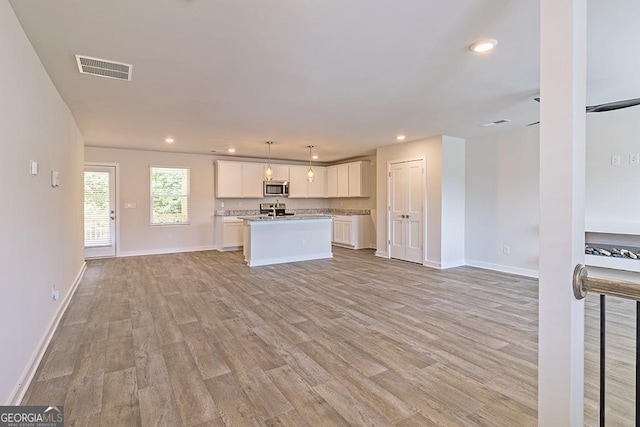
[55,179]
[34,168]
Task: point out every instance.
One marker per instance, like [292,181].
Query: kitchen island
[277,240]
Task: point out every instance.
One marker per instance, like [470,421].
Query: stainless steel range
[273,209]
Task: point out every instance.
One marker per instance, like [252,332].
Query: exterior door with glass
[99,211]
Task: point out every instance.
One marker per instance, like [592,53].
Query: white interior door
[99,211]
[406,211]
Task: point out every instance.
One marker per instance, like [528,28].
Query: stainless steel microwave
[276,188]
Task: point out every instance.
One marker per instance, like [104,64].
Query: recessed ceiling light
[483,45]
[400,137]
[231,150]
[169,140]
[314,157]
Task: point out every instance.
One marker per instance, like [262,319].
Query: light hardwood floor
[199,339]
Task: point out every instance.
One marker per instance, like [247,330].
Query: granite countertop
[283,218]
[296,212]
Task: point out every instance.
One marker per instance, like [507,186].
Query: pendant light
[268,173]
[310,174]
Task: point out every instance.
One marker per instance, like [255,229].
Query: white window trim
[188,195]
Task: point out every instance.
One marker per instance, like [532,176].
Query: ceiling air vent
[497,122]
[104,68]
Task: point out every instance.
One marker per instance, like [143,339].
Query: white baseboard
[431,264]
[16,396]
[287,259]
[453,264]
[381,254]
[166,251]
[503,268]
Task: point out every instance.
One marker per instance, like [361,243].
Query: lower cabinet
[352,231]
[230,233]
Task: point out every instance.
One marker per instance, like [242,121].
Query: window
[169,195]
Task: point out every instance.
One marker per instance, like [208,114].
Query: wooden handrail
[583,284]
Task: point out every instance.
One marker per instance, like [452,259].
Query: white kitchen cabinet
[252,179]
[298,182]
[359,173]
[332,181]
[280,172]
[239,179]
[342,230]
[245,180]
[299,186]
[318,188]
[343,180]
[228,179]
[352,231]
[229,233]
[349,179]
[232,232]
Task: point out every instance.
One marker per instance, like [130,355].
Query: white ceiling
[344,75]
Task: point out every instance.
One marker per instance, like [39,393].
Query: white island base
[286,239]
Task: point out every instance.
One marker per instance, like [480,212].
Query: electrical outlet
[634,158]
[615,160]
[222,204]
[506,250]
[55,294]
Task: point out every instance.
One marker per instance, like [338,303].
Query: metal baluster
[583,284]
[602,357]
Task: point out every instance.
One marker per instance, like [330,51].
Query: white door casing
[406,210]
[100,211]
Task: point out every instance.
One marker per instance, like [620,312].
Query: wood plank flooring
[200,339]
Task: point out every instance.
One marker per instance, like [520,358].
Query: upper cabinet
[359,178]
[280,172]
[332,181]
[228,179]
[252,177]
[300,187]
[238,179]
[244,180]
[343,180]
[349,179]
[318,188]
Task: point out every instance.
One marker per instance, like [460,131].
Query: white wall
[453,202]
[502,201]
[431,150]
[136,235]
[41,226]
[612,191]
[503,193]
